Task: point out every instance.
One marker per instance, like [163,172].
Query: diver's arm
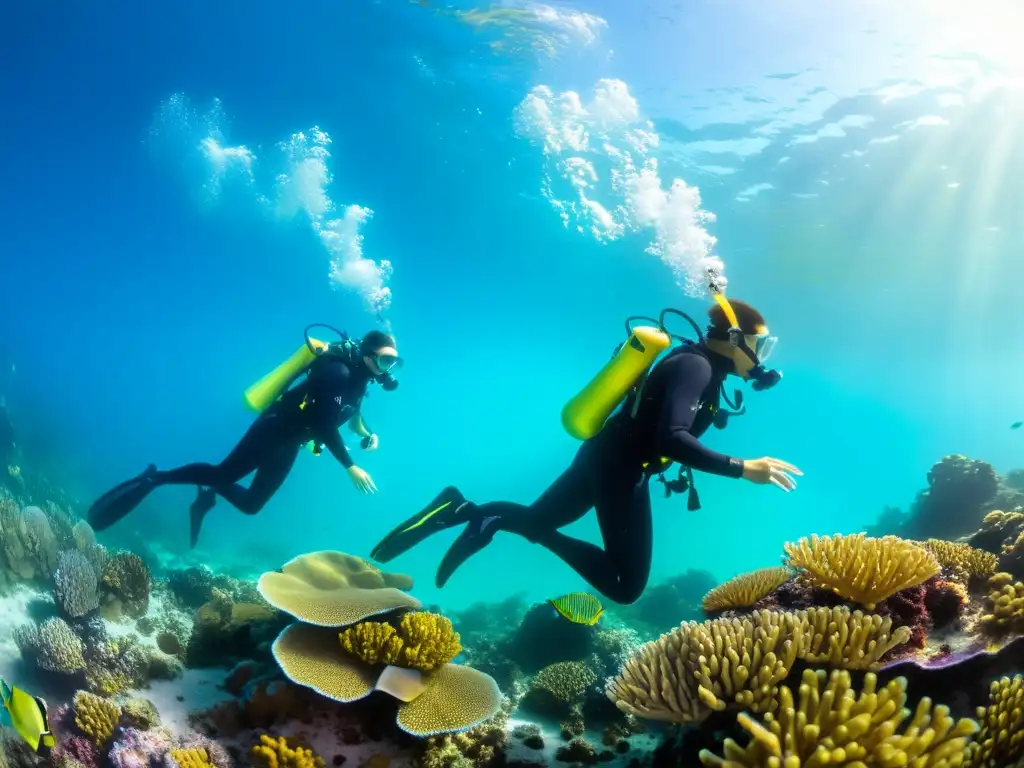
[333,442]
[358,425]
[688,376]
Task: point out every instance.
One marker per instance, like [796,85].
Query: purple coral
[139,749]
[70,743]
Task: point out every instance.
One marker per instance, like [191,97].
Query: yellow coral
[423,641]
[864,570]
[457,698]
[96,716]
[191,758]
[276,753]
[373,642]
[430,641]
[1001,740]
[746,589]
[836,726]
[1005,603]
[720,663]
[567,681]
[962,561]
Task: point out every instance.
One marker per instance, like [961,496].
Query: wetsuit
[677,405]
[314,410]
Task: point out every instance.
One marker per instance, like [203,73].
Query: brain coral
[333,589]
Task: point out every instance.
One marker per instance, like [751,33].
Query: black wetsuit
[677,405]
[315,409]
[332,393]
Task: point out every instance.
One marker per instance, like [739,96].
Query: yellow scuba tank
[264,392]
[586,413]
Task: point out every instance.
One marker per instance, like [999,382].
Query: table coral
[864,570]
[335,589]
[837,725]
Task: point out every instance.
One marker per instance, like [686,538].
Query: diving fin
[443,512]
[475,536]
[206,499]
[121,499]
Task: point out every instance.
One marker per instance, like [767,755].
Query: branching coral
[277,753]
[423,641]
[127,579]
[836,725]
[699,668]
[75,584]
[746,589]
[864,570]
[961,561]
[96,716]
[1001,740]
[190,758]
[1006,605]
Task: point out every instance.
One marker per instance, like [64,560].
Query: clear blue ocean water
[160,248]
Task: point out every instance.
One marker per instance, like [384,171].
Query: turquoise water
[863,165]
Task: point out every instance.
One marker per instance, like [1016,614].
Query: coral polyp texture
[861,569]
[334,589]
[423,641]
[698,668]
[962,561]
[96,716]
[830,723]
[746,589]
[1001,739]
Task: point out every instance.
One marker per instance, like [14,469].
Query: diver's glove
[361,480]
[370,442]
[768,470]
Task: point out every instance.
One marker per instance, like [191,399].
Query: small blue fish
[579,608]
[1017,425]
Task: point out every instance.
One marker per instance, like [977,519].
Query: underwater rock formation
[545,638]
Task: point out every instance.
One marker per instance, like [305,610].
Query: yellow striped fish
[578,607]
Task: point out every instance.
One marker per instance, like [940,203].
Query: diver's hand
[370,442]
[361,480]
[768,470]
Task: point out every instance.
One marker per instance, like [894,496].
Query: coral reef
[745,590]
[126,583]
[662,606]
[866,728]
[958,491]
[557,691]
[28,545]
[224,632]
[699,668]
[862,569]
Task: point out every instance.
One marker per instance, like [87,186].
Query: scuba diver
[312,412]
[665,410]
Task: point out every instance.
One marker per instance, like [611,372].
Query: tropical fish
[29,718]
[578,607]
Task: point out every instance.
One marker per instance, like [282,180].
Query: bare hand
[768,470]
[371,443]
[361,480]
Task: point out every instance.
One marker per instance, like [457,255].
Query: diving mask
[385,362]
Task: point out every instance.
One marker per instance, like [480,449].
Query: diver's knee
[627,593]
